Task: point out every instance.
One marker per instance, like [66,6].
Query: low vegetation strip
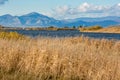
[75,58]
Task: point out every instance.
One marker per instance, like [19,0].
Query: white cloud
[84,7]
[114,10]
[89,8]
[2,1]
[86,10]
[62,10]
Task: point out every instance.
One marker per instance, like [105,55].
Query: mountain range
[38,20]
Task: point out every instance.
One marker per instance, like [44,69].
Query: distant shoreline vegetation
[96,28]
[53,28]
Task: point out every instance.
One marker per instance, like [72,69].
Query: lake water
[67,33]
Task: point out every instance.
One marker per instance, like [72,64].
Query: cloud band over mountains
[2,1]
[87,9]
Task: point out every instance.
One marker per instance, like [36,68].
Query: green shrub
[11,35]
[94,27]
[90,28]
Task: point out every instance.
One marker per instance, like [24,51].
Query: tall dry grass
[76,58]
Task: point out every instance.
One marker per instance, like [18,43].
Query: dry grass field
[75,58]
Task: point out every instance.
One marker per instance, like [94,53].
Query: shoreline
[100,32]
[113,29]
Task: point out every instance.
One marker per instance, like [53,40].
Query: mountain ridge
[36,19]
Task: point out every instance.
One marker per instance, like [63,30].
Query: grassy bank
[76,58]
[111,29]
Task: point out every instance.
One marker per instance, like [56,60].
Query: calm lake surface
[67,33]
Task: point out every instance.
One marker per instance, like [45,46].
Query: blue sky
[62,9]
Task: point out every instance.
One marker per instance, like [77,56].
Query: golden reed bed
[43,58]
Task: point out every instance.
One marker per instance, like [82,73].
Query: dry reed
[75,58]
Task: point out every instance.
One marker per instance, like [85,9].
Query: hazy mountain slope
[9,20]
